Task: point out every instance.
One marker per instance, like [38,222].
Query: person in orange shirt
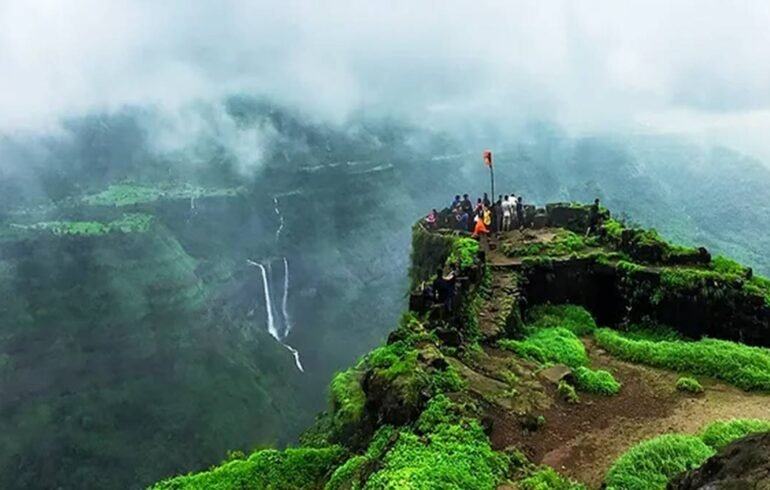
[480,226]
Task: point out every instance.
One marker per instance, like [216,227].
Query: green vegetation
[429,252]
[128,194]
[600,381]
[745,367]
[650,464]
[557,345]
[129,223]
[646,245]
[719,434]
[689,385]
[268,469]
[443,449]
[348,398]
[567,392]
[574,318]
[553,338]
[453,454]
[546,478]
[398,363]
[628,267]
[613,230]
[724,265]
[564,243]
[348,476]
[464,252]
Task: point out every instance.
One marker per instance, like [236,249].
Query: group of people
[484,217]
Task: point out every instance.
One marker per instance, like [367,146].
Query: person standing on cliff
[593,217]
[486,201]
[466,210]
[431,219]
[444,288]
[455,203]
[506,208]
[466,205]
[514,221]
[497,215]
[520,212]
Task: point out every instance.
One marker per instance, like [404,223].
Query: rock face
[744,464]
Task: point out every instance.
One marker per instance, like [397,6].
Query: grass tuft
[719,434]
[567,392]
[689,385]
[572,317]
[650,464]
[464,252]
[741,365]
[291,469]
[546,478]
[596,381]
[348,398]
[557,345]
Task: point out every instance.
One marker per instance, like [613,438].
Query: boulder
[557,373]
[744,464]
[539,221]
[573,217]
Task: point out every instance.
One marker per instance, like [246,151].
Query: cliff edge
[562,360]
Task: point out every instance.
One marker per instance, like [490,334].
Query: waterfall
[269,307]
[280,219]
[270,319]
[297,362]
[284,302]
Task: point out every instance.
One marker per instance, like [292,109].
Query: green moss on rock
[268,469]
[650,464]
[721,433]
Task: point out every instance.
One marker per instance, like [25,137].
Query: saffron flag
[488,158]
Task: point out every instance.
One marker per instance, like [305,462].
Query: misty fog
[283,150]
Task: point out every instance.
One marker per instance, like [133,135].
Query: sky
[697,67]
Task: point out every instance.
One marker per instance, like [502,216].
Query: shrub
[546,478]
[599,381]
[719,434]
[348,475]
[689,385]
[348,398]
[567,392]
[575,318]
[291,469]
[650,464]
[745,367]
[440,411]
[464,252]
[557,345]
[453,457]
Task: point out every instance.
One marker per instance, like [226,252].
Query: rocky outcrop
[743,465]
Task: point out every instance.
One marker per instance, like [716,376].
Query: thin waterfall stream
[284,312]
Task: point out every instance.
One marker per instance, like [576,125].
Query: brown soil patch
[528,235]
[583,440]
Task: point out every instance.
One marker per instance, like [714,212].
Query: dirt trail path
[583,440]
[497,258]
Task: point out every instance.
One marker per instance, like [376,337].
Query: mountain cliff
[513,384]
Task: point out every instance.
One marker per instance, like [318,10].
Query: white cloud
[592,63]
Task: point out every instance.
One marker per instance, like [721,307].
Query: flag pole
[488,162]
[492,179]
